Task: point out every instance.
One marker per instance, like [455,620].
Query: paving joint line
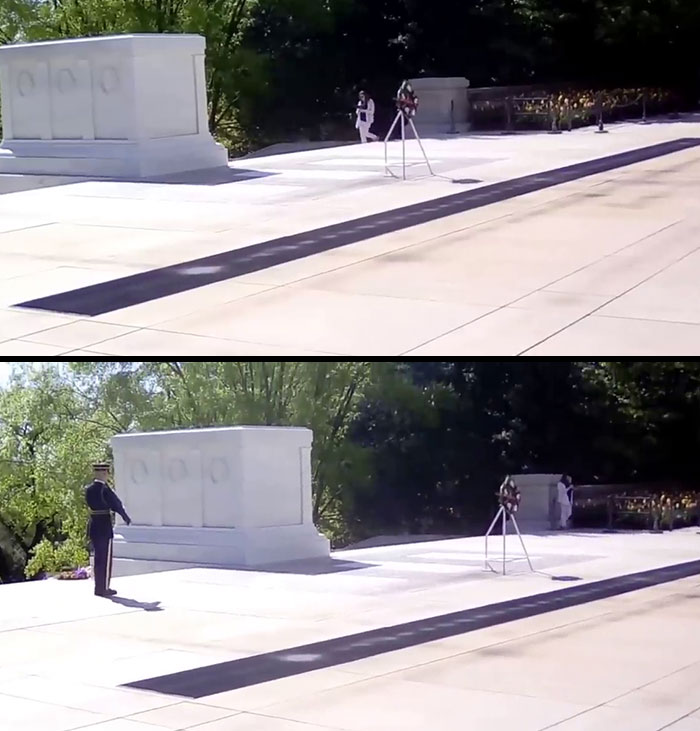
[610,301]
[546,287]
[622,695]
[680,718]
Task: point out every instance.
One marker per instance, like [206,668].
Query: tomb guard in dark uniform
[103,502]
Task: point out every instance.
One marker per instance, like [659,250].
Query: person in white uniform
[365,117]
[564,489]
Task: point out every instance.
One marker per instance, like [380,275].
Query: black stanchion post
[644,109]
[599,103]
[453,126]
[509,114]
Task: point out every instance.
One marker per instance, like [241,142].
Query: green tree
[46,446]
[660,404]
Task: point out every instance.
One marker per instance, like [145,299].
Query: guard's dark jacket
[102,501]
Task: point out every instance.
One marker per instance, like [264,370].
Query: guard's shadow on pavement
[133,604]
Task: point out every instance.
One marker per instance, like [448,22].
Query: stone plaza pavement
[399,638]
[601,264]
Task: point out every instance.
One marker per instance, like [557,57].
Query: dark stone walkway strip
[135,289]
[248,671]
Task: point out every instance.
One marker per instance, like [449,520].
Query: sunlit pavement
[401,637]
[604,264]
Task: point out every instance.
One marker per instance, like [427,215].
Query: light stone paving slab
[602,235]
[28,715]
[649,301]
[14,323]
[686,724]
[78,334]
[622,336]
[167,342]
[82,697]
[180,305]
[184,715]
[26,347]
[10,224]
[122,724]
[575,305]
[389,703]
[612,276]
[606,717]
[503,332]
[257,722]
[89,242]
[285,690]
[17,265]
[337,322]
[55,281]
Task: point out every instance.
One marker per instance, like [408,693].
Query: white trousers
[565,511]
[363,129]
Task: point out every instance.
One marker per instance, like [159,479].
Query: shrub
[50,557]
[579,107]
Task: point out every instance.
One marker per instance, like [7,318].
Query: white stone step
[134,567]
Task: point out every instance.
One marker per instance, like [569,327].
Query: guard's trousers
[102,546]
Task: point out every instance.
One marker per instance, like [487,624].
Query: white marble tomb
[234,496]
[131,106]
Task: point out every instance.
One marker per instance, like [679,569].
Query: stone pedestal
[130,106]
[436,98]
[237,496]
[539,509]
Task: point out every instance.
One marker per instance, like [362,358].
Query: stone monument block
[131,106]
[234,496]
[539,509]
[438,97]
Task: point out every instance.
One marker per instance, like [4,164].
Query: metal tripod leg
[386,144]
[403,145]
[418,139]
[501,514]
[505,530]
[522,542]
[486,537]
[401,117]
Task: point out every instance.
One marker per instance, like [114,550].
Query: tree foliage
[46,444]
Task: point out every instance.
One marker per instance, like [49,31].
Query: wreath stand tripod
[509,499]
[403,117]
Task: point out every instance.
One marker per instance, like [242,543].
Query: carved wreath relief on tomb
[25,83]
[66,81]
[177,470]
[218,470]
[109,80]
[138,471]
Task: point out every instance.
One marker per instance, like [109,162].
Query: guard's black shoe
[108,592]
